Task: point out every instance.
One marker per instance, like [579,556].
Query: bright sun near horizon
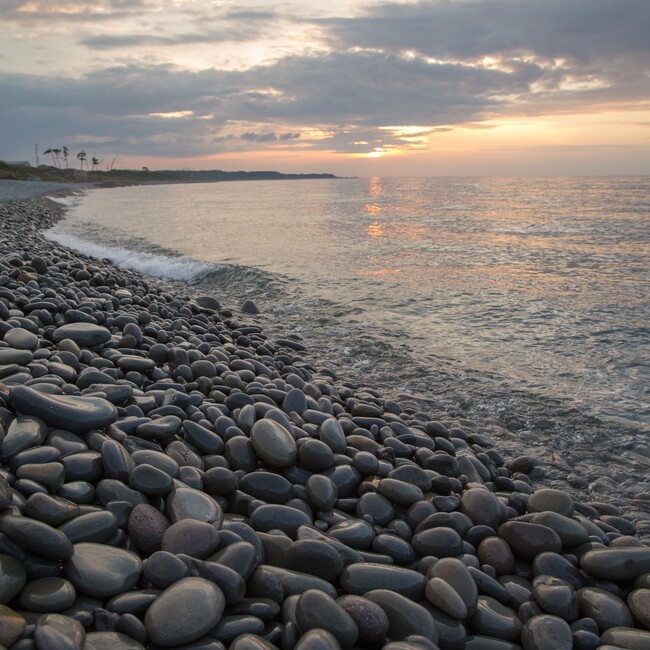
[399,88]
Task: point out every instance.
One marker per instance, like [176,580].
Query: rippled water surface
[525,300]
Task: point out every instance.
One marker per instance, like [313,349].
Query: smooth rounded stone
[331,433]
[355,533]
[85,335]
[495,552]
[156,458]
[130,362]
[21,339]
[150,480]
[240,556]
[12,626]
[47,595]
[72,413]
[102,571]
[316,610]
[439,542]
[110,641]
[527,540]
[294,582]
[492,618]
[395,547]
[271,516]
[50,509]
[315,557]
[267,486]
[552,500]
[160,429]
[208,302]
[12,356]
[146,528]
[371,620]
[546,631]
[399,492]
[12,577]
[24,432]
[556,597]
[357,579]
[164,569]
[405,617]
[520,589]
[377,506]
[315,455]
[481,506]
[626,637]
[570,531]
[184,612]
[294,401]
[638,602]
[607,609]
[132,602]
[188,503]
[197,539]
[617,564]
[556,565]
[92,527]
[457,575]
[443,596]
[202,438]
[273,444]
[321,492]
[59,632]
[36,537]
[317,640]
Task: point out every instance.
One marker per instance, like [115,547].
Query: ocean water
[519,304]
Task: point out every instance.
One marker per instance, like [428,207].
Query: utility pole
[36,152]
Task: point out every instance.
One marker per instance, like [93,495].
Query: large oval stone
[12,577]
[184,612]
[188,503]
[102,571]
[316,609]
[83,334]
[405,616]
[361,577]
[617,564]
[72,413]
[527,540]
[37,537]
[273,444]
[607,609]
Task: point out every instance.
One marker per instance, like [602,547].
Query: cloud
[434,64]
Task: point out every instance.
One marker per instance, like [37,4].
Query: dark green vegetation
[137,177]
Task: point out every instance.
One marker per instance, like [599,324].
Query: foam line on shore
[161,266]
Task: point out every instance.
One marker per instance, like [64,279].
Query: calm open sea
[522,303]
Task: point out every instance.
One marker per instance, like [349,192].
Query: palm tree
[51,152]
[57,153]
[66,153]
[95,162]
[81,157]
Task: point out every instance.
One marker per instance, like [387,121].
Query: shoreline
[179,375]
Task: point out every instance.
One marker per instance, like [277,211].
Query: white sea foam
[162,266]
[67,201]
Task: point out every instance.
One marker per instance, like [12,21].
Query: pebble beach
[173,477]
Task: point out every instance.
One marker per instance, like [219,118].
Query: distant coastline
[122,177]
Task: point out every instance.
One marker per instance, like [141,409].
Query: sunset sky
[446,87]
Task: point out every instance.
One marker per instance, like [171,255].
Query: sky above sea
[424,88]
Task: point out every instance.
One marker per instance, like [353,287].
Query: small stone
[639,603]
[405,616]
[549,499]
[12,626]
[197,539]
[60,632]
[12,577]
[443,596]
[542,632]
[371,620]
[47,595]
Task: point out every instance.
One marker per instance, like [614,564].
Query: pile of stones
[171,478]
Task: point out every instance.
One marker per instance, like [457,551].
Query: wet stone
[542,632]
[102,571]
[315,557]
[556,597]
[51,510]
[284,518]
[37,537]
[552,500]
[371,620]
[617,564]
[457,576]
[405,616]
[496,552]
[146,527]
[111,641]
[12,626]
[626,637]
[92,527]
[191,537]
[12,577]
[358,579]
[47,595]
[607,609]
[188,503]
[316,610]
[492,618]
[75,414]
[83,334]
[482,507]
[355,533]
[21,339]
[638,602]
[273,444]
[439,542]
[60,632]
[443,596]
[527,540]
[201,603]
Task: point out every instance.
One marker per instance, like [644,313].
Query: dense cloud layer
[430,64]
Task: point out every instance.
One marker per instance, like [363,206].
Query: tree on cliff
[66,153]
[55,156]
[95,163]
[81,157]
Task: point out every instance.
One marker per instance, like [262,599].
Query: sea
[519,307]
